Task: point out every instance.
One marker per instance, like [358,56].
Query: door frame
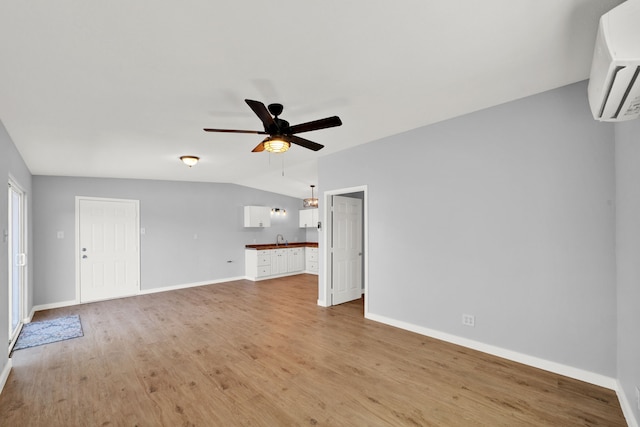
[24,246]
[78,252]
[324,294]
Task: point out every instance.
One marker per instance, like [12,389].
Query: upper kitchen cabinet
[308,218]
[257,216]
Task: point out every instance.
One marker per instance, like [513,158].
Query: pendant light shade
[311,202]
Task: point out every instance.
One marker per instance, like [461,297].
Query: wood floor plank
[264,354]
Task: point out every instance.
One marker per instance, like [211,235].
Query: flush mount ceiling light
[275,144]
[189,160]
[311,202]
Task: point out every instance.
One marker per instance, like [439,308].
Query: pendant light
[311,202]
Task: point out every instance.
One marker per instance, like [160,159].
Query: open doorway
[345,272]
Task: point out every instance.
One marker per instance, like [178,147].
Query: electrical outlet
[468,320]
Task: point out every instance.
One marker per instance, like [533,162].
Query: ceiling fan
[281,135]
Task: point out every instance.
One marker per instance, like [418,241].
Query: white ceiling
[123,88]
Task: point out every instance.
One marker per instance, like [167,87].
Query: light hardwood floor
[264,354]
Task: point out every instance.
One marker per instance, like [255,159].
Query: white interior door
[17,258]
[346,249]
[108,248]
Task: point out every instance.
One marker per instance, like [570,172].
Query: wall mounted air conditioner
[614,84]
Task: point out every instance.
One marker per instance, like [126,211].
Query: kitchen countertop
[283,246]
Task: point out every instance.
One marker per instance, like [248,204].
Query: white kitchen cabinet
[257,263]
[279,258]
[257,216]
[308,218]
[295,260]
[311,260]
[268,263]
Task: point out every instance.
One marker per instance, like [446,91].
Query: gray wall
[11,164]
[311,234]
[628,256]
[506,214]
[171,214]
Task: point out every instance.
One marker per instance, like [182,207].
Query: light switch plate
[468,320]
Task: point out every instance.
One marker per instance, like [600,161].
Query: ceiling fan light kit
[276,145]
[281,134]
[190,160]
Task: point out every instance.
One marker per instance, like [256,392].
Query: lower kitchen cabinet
[279,264]
[295,259]
[311,260]
[268,263]
[257,263]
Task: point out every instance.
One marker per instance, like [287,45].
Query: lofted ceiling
[123,88]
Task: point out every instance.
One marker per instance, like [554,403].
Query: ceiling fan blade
[259,148]
[262,113]
[259,132]
[303,142]
[329,122]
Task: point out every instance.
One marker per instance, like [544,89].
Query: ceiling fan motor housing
[281,127]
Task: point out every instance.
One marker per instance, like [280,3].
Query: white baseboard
[558,368]
[51,306]
[141,292]
[275,276]
[188,285]
[627,407]
[5,374]
[29,317]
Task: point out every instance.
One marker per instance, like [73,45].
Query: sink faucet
[278,237]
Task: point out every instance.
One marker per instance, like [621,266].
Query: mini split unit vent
[614,85]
